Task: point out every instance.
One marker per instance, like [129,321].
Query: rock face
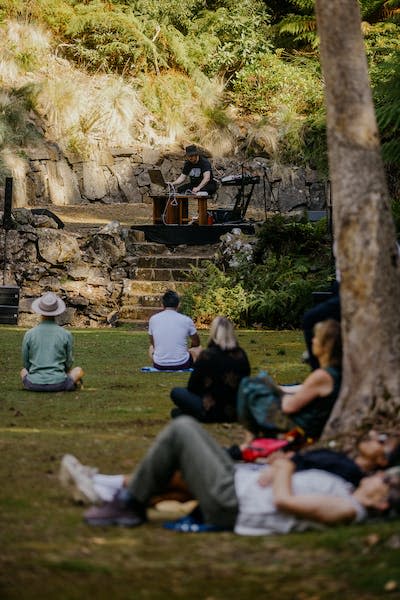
[121,175]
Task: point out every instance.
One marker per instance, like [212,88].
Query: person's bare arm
[318,383]
[195,339]
[203,182]
[320,508]
[179,180]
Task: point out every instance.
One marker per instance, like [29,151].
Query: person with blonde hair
[265,409]
[211,391]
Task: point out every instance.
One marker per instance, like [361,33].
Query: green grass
[47,552]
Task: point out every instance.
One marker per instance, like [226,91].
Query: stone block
[94,182]
[62,184]
[151,156]
[124,151]
[56,247]
[128,185]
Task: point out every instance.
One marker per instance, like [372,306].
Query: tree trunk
[367,254]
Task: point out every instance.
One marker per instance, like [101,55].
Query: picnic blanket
[154,370]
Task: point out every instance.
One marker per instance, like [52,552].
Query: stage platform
[191,235]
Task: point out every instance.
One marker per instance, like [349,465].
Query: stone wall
[46,176]
[95,273]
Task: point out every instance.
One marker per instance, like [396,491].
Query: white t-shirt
[170,331]
[258,514]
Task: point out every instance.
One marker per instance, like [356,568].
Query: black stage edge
[191,235]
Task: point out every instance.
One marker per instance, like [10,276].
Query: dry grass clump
[86,113]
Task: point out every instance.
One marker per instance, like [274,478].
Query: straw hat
[48,305]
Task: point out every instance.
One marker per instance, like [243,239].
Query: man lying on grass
[236,499]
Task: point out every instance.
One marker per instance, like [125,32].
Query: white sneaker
[77,479]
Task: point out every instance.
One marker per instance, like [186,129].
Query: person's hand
[195,190]
[208,402]
[265,477]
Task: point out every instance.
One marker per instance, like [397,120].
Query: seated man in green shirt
[47,351]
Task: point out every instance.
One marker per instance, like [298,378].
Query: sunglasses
[381,438]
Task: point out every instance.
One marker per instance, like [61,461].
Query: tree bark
[367,254]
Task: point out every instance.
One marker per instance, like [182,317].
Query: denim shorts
[68,385]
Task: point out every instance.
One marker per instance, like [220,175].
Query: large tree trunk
[367,254]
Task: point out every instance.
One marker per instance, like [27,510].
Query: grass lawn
[47,552]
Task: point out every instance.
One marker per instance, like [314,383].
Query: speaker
[7,216]
[9,302]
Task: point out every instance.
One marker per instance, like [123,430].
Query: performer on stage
[199,171]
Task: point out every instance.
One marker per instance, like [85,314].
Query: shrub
[214,293]
[271,284]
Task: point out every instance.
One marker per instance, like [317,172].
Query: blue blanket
[154,370]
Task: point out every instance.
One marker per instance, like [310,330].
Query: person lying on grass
[47,351]
[234,499]
[374,451]
[265,410]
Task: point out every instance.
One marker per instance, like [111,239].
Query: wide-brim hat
[191,150]
[48,305]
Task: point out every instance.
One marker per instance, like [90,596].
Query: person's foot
[77,479]
[115,512]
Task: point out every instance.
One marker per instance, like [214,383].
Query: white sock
[106,486]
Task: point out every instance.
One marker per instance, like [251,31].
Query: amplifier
[9,301]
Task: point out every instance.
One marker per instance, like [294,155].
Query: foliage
[388,107]
[396,216]
[288,93]
[270,283]
[214,293]
[226,74]
[16,128]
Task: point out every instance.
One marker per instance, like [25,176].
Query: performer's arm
[179,180]
[203,182]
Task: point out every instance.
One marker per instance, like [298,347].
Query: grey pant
[207,469]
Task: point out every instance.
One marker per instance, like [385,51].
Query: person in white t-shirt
[169,331]
[237,498]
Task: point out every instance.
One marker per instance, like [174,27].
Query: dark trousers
[205,466]
[330,309]
[191,404]
[188,403]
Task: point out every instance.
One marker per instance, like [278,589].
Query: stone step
[159,275]
[171,261]
[133,312]
[145,248]
[146,300]
[141,288]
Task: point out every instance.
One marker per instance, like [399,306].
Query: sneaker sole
[120,522]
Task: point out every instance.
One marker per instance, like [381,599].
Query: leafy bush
[291,259]
[289,94]
[214,293]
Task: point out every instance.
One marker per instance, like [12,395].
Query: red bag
[261,448]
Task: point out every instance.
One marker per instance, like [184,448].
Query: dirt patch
[88,216]
[97,215]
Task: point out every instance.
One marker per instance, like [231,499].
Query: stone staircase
[158,268]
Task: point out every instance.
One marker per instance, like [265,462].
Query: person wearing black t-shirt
[198,169]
